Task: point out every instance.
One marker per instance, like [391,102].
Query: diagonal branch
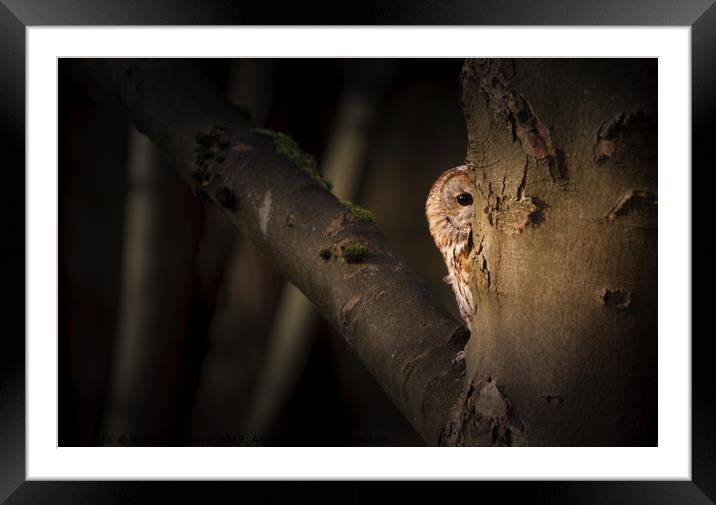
[343,264]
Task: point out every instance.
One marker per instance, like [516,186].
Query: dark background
[173,330]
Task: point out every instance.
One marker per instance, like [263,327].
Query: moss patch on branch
[289,149]
[353,253]
[361,213]
[206,151]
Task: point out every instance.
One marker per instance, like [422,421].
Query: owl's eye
[464,199]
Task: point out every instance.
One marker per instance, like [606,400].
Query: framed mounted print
[455,251]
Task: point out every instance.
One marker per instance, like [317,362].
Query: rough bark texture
[385,312]
[563,158]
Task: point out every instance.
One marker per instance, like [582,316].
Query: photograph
[358,252]
[313,253]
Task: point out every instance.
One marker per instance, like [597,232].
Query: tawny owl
[449,212]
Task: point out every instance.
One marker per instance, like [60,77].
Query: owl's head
[449,207]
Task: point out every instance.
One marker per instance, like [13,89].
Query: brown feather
[451,228]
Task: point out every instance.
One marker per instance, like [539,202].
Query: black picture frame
[17,15]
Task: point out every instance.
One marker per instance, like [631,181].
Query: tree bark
[563,157]
[385,312]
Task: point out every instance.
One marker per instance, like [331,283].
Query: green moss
[203,153]
[358,211]
[206,152]
[202,175]
[208,143]
[289,149]
[325,254]
[353,253]
[226,198]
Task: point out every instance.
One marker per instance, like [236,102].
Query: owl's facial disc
[458,201]
[449,207]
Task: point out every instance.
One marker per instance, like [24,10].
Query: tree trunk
[564,348]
